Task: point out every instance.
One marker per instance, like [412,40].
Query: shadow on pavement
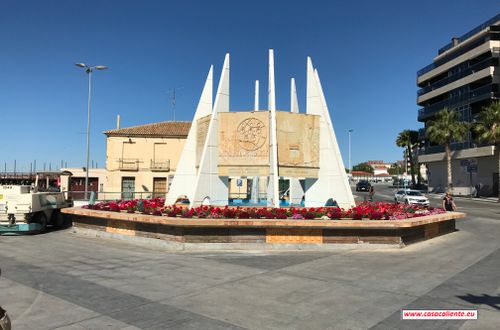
[484,299]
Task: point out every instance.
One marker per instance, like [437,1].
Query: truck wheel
[57,219]
[41,218]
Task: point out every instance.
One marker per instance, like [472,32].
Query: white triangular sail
[273,181]
[210,187]
[296,190]
[186,173]
[254,194]
[256,100]
[294,102]
[332,179]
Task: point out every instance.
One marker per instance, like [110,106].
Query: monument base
[259,234]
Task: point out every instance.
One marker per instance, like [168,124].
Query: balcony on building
[489,30]
[128,164]
[455,146]
[159,165]
[486,60]
[476,94]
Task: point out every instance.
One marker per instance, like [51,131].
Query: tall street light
[350,168]
[89,70]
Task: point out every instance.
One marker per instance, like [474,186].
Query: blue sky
[367,54]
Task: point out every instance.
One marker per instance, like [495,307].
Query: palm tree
[487,128]
[407,139]
[445,129]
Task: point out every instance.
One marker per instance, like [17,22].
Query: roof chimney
[118,121]
[455,41]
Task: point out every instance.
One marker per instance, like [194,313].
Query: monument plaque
[298,144]
[244,143]
[201,136]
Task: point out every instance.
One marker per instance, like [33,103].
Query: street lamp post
[350,168]
[89,70]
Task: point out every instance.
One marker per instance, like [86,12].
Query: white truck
[22,209]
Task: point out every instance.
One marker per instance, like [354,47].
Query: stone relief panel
[201,135]
[244,143]
[298,144]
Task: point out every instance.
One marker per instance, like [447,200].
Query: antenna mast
[174,99]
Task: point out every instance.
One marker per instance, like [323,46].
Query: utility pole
[350,168]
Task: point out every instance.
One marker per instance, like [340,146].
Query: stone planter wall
[261,233]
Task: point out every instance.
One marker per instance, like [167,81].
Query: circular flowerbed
[371,211]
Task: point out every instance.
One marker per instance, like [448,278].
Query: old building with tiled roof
[162,129]
[141,160]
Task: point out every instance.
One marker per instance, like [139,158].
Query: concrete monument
[263,146]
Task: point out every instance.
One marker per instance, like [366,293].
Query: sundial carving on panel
[251,134]
[243,143]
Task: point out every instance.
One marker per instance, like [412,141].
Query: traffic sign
[472,167]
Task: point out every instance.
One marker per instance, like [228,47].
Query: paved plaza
[59,280]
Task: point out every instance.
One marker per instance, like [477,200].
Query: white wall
[461,179]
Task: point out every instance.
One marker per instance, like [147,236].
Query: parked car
[363,185]
[411,197]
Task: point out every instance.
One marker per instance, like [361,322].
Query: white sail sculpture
[273,179]
[211,187]
[332,179]
[303,149]
[296,191]
[255,191]
[186,174]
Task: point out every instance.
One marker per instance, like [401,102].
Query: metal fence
[114,195]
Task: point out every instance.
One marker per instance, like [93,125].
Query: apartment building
[464,77]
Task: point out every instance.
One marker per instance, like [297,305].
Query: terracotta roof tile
[361,173]
[161,129]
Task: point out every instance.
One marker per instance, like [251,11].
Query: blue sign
[239,183]
[472,168]
[464,163]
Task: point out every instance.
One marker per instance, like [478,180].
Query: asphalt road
[473,207]
[60,280]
